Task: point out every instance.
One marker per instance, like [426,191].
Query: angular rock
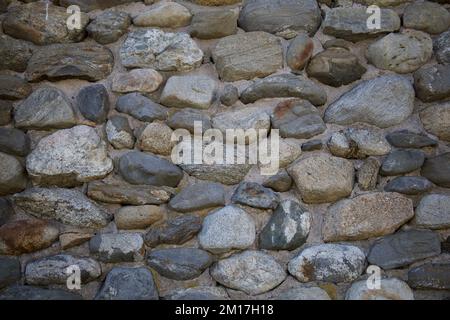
[230,95]
[9,271]
[189,92]
[384,101]
[119,133]
[409,185]
[12,175]
[141,80]
[247,55]
[284,86]
[432,83]
[138,217]
[84,60]
[285,18]
[402,161]
[156,138]
[304,293]
[323,178]
[53,269]
[198,196]
[328,262]
[433,212]
[69,157]
[162,51]
[5,111]
[401,52]
[299,52]
[252,272]
[179,263]
[227,229]
[213,24]
[437,170]
[430,276]
[366,216]
[426,16]
[68,206]
[442,48]
[164,15]
[367,174]
[287,228]
[13,87]
[185,119]
[15,53]
[145,168]
[93,103]
[140,107]
[21,292]
[408,139]
[109,26]
[14,141]
[255,195]
[124,283]
[199,293]
[117,247]
[436,120]
[390,289]
[281,182]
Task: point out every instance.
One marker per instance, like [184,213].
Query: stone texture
[402,161]
[15,53]
[185,118]
[9,271]
[430,276]
[199,293]
[89,5]
[179,263]
[436,120]
[68,206]
[437,170]
[117,247]
[21,292]
[323,178]
[247,55]
[366,216]
[140,107]
[432,82]
[409,139]
[14,141]
[255,195]
[401,52]
[383,101]
[312,145]
[409,185]
[299,52]
[138,217]
[93,103]
[214,2]
[164,15]
[442,48]
[6,210]
[199,196]
[5,111]
[156,138]
[433,212]
[285,18]
[287,228]
[13,87]
[304,293]
[281,182]
[390,289]
[62,61]
[119,133]
[252,272]
[226,174]
[109,26]
[69,157]
[404,248]
[213,24]
[328,262]
[123,283]
[140,80]
[74,238]
[162,51]
[367,174]
[12,175]
[227,229]
[426,16]
[230,95]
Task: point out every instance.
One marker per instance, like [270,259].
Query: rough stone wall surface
[87,180]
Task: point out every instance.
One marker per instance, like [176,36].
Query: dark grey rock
[199,293]
[442,48]
[213,24]
[128,284]
[6,210]
[402,161]
[5,111]
[230,95]
[408,139]
[12,175]
[198,196]
[109,26]
[426,16]
[174,231]
[185,118]
[179,263]
[432,83]
[312,145]
[437,170]
[93,103]
[255,195]
[15,53]
[287,228]
[117,247]
[430,276]
[13,87]
[409,185]
[21,292]
[433,212]
[140,107]
[119,133]
[403,248]
[14,141]
[280,182]
[299,52]
[9,271]
[146,168]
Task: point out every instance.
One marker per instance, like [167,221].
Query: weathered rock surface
[140,80]
[109,26]
[119,133]
[426,16]
[198,196]
[164,15]
[174,231]
[436,120]
[255,195]
[13,87]
[213,24]
[199,293]
[141,107]
[299,52]
[6,210]
[93,103]
[430,276]
[12,175]
[367,174]
[138,217]
[442,48]
[433,212]
[9,271]
[437,170]
[409,185]
[432,82]
[281,182]
[117,247]
[186,118]
[402,161]
[21,292]
[5,111]
[228,174]
[390,289]
[156,138]
[409,139]
[89,5]
[15,53]
[14,141]
[304,293]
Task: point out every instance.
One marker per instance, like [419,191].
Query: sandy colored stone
[138,217]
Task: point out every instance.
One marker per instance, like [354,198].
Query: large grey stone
[15,53]
[402,161]
[436,120]
[409,139]
[198,196]
[304,293]
[185,118]
[119,133]
[141,80]
[117,247]
[442,48]
[432,83]
[228,174]
[437,170]
[199,293]
[299,52]
[21,292]
[140,107]
[109,26]
[13,87]
[430,276]
[409,185]
[14,141]
[164,15]
[93,103]
[211,24]
[9,271]
[12,175]
[426,16]
[433,212]
[255,195]
[390,289]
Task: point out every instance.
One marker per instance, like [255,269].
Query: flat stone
[117,247]
[123,283]
[68,206]
[322,178]
[351,23]
[128,194]
[285,18]
[109,26]
[247,55]
[426,16]
[328,262]
[69,157]
[93,103]
[174,231]
[43,24]
[337,43]
[228,174]
[383,101]
[304,293]
[227,229]
[162,51]
[436,120]
[189,92]
[199,293]
[25,236]
[255,195]
[15,53]
[119,133]
[84,61]
[433,212]
[284,86]
[430,276]
[21,292]
[138,217]
[14,141]
[9,271]
[185,119]
[45,108]
[390,289]
[252,272]
[409,185]
[230,95]
[6,211]
[156,137]
[140,80]
[299,52]
[297,119]
[335,67]
[366,216]
[198,196]
[213,24]
[12,175]
[73,238]
[401,52]
[367,174]
[402,161]
[432,82]
[140,107]
[287,228]
[442,48]
[280,182]
[5,111]
[312,145]
[53,269]
[164,15]
[437,170]
[145,168]
[13,87]
[408,139]
[179,263]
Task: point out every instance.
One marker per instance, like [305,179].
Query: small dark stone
[408,139]
[430,276]
[281,182]
[6,211]
[198,196]
[5,112]
[13,87]
[432,83]
[442,48]
[409,185]
[255,195]
[9,271]
[402,161]
[140,107]
[20,292]
[230,95]
[445,246]
[437,170]
[184,119]
[109,26]
[312,145]
[93,103]
[14,141]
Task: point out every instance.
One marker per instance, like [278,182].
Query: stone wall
[87,182]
